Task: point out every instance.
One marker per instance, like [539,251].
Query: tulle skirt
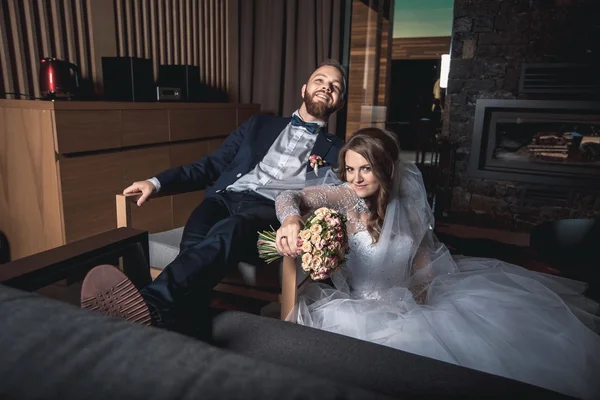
[491,316]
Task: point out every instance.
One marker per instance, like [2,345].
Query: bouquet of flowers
[323,241]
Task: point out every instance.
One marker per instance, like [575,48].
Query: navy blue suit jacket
[240,152]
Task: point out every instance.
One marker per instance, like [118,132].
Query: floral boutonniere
[316,162]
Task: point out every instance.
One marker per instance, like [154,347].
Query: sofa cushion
[53,350]
[357,362]
[164,247]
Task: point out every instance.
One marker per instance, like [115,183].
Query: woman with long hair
[400,287]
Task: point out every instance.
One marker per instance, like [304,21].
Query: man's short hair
[330,62]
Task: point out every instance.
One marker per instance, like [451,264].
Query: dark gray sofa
[54,350]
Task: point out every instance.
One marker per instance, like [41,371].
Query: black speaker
[184,77]
[128,79]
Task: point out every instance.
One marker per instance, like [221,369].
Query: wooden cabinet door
[79,131]
[145,127]
[184,204]
[89,184]
[202,123]
[244,113]
[139,164]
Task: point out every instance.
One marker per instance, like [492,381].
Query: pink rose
[306,247]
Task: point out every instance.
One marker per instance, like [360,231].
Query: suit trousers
[221,232]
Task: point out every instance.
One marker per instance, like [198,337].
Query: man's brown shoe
[109,291]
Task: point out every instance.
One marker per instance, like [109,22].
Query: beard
[317,109]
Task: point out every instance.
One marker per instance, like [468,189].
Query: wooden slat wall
[33,29]
[190,32]
[368,72]
[420,48]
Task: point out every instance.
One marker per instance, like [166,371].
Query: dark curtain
[280,43]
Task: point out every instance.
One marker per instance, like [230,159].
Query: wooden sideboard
[61,164]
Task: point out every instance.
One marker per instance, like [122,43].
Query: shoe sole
[107,290]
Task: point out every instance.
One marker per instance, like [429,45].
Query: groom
[222,230]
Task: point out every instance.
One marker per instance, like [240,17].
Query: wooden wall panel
[369,59]
[420,48]
[361,59]
[29,188]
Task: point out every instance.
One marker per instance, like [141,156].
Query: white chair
[277,282]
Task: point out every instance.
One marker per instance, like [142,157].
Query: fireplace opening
[550,142]
[564,141]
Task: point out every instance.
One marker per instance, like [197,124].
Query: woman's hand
[287,236]
[420,293]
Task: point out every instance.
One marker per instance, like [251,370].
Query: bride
[401,288]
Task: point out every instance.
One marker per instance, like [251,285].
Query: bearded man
[222,230]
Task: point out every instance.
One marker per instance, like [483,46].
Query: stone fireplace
[523,156]
[535,141]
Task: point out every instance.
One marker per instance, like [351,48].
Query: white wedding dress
[483,314]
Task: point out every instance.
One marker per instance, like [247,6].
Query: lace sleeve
[422,273]
[299,202]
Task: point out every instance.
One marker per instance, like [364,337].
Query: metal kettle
[58,79]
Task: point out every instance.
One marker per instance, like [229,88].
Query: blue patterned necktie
[310,126]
